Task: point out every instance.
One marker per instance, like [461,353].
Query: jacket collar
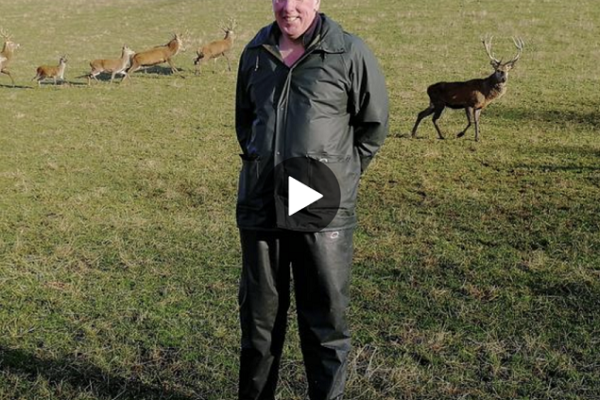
[313,32]
[330,39]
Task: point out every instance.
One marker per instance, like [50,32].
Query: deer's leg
[9,75]
[92,74]
[134,67]
[469,111]
[173,69]
[112,77]
[228,62]
[477,113]
[437,114]
[197,62]
[425,113]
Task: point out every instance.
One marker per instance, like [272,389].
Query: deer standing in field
[472,96]
[157,55]
[55,72]
[114,66]
[7,53]
[216,48]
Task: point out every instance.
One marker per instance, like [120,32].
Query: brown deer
[7,53]
[157,55]
[472,96]
[216,48]
[55,72]
[114,66]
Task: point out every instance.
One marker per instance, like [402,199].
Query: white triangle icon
[300,196]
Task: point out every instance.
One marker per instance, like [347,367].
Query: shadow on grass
[16,87]
[157,70]
[557,168]
[578,151]
[82,377]
[103,77]
[64,83]
[584,118]
[573,158]
[575,302]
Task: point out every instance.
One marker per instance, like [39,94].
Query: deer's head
[180,41]
[9,45]
[127,52]
[501,68]
[228,27]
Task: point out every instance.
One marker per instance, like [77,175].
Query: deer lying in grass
[217,48]
[157,55]
[7,53]
[55,72]
[472,96]
[113,66]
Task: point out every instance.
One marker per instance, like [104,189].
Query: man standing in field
[311,104]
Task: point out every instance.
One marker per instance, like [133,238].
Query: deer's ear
[495,64]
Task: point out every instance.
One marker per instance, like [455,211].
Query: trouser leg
[321,267]
[264,299]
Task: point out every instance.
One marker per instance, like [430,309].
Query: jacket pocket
[346,172]
[248,193]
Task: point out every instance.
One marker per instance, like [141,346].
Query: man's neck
[290,50]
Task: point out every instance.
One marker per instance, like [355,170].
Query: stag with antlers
[472,96]
[7,53]
[157,55]
[217,48]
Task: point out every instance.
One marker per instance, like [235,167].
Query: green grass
[476,272]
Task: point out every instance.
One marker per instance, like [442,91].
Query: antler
[185,35]
[229,25]
[487,43]
[519,44]
[5,34]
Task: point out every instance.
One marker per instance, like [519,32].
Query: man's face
[295,16]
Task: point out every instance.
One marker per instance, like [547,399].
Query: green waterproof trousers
[320,263]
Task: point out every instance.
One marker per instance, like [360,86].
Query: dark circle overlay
[315,174]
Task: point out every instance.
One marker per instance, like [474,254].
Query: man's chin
[291,32]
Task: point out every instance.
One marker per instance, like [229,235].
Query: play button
[307,193]
[301,196]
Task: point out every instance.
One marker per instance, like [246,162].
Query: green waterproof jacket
[330,106]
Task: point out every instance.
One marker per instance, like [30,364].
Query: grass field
[476,272]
